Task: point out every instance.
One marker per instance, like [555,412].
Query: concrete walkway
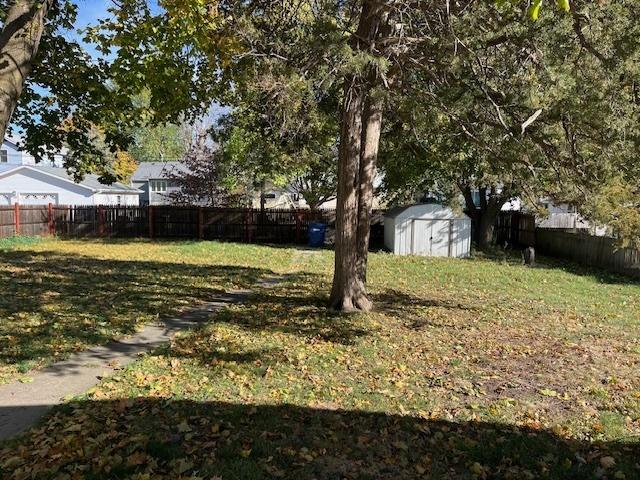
[23,404]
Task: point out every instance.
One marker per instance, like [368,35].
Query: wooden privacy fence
[588,250]
[229,224]
[26,220]
[515,229]
[519,230]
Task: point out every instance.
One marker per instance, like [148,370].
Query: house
[289,197]
[562,216]
[11,154]
[559,215]
[40,185]
[156,181]
[274,196]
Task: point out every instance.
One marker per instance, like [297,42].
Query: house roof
[10,142]
[157,170]
[90,181]
[14,143]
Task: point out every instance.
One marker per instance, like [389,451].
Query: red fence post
[52,228]
[151,219]
[101,229]
[16,217]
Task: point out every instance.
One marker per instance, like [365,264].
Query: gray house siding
[149,172]
[144,189]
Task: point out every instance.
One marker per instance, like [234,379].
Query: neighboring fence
[26,220]
[565,221]
[588,250]
[228,224]
[515,229]
[519,229]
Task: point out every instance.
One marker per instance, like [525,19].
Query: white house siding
[29,186]
[116,199]
[14,156]
[24,185]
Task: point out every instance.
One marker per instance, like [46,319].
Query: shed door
[438,238]
[432,238]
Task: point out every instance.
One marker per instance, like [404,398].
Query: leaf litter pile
[467,369]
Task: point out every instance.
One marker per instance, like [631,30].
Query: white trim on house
[66,180]
[27,167]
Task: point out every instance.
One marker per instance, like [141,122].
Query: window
[118,200]
[3,156]
[158,185]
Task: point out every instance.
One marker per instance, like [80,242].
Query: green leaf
[564,5]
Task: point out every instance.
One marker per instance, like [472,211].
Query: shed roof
[422,208]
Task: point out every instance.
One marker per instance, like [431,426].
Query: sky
[90,10]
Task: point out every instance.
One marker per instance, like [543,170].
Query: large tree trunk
[486,227]
[19,43]
[356,171]
[371,128]
[348,292]
[483,216]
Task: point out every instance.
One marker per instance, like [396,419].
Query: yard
[474,368]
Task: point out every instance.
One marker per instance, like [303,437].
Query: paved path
[23,404]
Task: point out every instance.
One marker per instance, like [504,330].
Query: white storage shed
[429,229]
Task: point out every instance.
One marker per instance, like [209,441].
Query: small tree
[124,166]
[318,184]
[202,179]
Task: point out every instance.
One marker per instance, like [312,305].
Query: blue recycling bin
[317,234]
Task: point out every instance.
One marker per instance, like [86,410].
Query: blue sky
[90,10]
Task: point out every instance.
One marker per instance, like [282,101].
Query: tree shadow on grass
[413,309]
[514,258]
[184,439]
[53,304]
[299,308]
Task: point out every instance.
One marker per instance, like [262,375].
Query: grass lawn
[467,369]
[60,297]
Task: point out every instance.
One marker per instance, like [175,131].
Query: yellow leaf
[534,9]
